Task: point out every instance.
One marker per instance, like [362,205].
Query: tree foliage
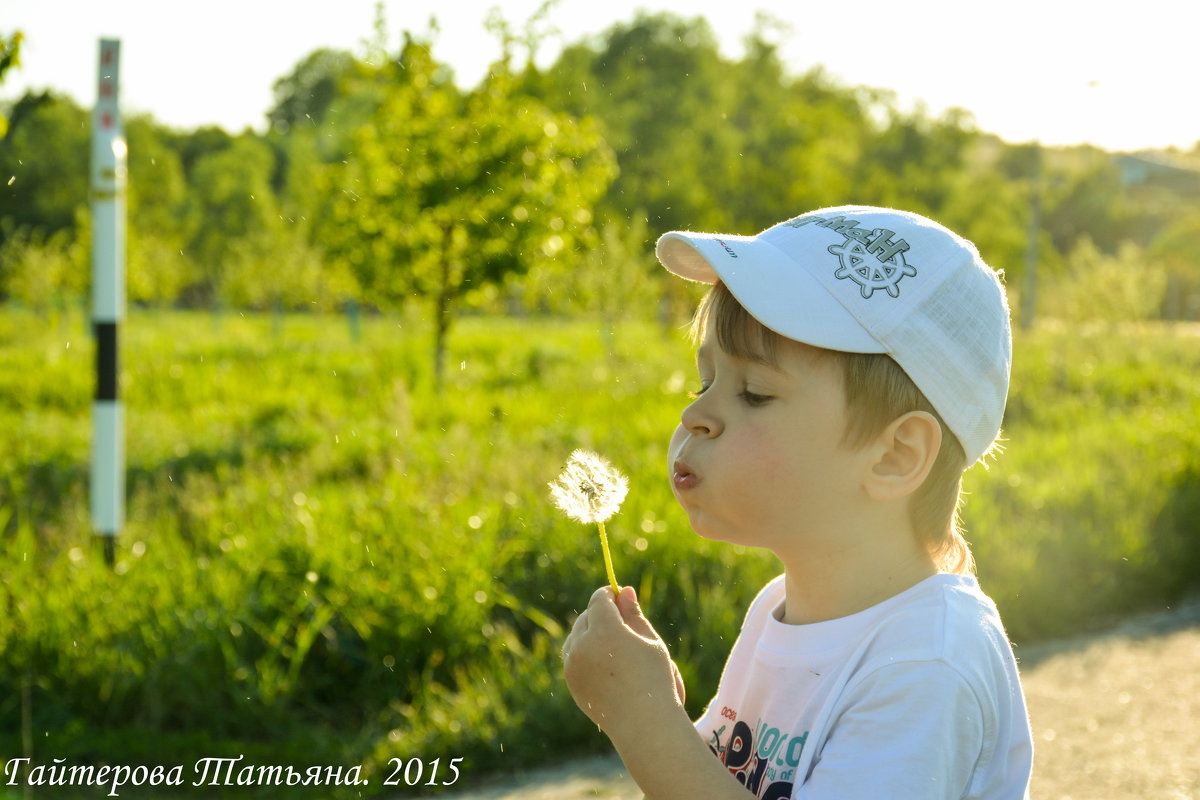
[44,157]
[305,95]
[446,192]
[10,57]
[379,179]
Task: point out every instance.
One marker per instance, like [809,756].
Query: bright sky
[1116,75]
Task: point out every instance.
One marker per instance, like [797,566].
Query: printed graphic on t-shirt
[763,758]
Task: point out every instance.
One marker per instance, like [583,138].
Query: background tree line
[380,181]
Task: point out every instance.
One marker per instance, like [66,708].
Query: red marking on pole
[106,89]
[106,55]
[106,120]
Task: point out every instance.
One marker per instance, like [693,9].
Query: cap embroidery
[872,259]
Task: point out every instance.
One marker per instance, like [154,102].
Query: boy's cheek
[676,442]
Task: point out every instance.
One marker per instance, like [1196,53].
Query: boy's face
[758,457]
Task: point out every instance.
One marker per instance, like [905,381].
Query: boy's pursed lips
[682,476]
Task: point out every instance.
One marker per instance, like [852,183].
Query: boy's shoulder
[945,617]
[948,619]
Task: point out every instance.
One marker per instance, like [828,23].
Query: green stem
[612,578]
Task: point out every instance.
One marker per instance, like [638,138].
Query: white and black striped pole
[108,180]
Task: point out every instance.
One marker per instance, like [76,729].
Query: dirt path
[1116,716]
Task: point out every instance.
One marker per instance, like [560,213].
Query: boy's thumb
[631,613]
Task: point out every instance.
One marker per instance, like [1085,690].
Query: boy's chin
[706,530]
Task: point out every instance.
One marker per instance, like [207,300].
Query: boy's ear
[903,454]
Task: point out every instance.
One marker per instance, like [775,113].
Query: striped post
[108,179]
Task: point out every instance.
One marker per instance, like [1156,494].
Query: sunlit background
[381,285]
[1056,72]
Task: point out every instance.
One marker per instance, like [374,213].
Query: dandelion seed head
[589,489]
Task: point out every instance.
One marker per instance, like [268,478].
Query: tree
[703,141]
[443,193]
[157,271]
[303,96]
[1085,197]
[45,155]
[42,270]
[44,159]
[1127,286]
[1178,249]
[195,144]
[10,56]
[658,85]
[912,161]
[798,139]
[232,204]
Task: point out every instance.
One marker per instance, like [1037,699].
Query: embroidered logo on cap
[728,249]
[874,259]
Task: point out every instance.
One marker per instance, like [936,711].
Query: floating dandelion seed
[589,489]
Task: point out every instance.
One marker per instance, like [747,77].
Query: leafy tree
[232,204]
[991,201]
[194,145]
[616,279]
[157,183]
[658,85]
[348,95]
[444,193]
[1098,287]
[40,270]
[10,56]
[1178,249]
[303,96]
[912,161]
[45,160]
[281,268]
[994,213]
[157,270]
[798,140]
[1085,197]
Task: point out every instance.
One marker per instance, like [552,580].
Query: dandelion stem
[608,567]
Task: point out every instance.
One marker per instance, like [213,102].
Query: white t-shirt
[917,697]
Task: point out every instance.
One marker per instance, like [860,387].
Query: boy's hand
[621,675]
[618,668]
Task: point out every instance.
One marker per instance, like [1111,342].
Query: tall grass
[1094,508]
[328,562]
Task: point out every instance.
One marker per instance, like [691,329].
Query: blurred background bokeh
[368,327]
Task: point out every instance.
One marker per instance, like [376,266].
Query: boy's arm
[621,675]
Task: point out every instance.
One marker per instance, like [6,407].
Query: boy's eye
[754,400]
[697,392]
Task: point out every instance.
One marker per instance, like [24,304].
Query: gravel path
[1116,716]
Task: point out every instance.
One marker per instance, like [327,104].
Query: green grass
[327,562]
[1094,508]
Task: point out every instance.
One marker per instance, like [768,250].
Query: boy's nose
[699,420]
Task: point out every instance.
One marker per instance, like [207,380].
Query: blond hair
[877,392]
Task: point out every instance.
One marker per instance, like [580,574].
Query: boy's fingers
[631,613]
[602,609]
[600,594]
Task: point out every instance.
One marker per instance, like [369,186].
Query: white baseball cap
[874,280]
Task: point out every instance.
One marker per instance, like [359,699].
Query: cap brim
[773,287]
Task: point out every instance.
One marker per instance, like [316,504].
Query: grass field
[326,561]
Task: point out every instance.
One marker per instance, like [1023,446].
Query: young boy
[853,362]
